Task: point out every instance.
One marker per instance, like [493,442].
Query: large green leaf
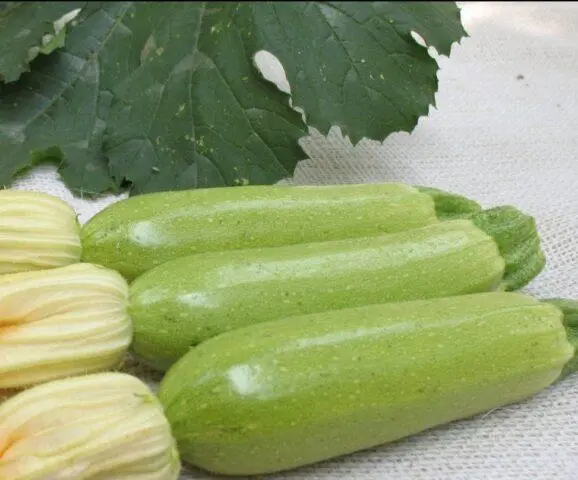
[162,96]
[22,28]
[355,64]
[58,111]
[192,111]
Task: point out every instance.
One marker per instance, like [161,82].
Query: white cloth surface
[504,132]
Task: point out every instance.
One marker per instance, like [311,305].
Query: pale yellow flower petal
[93,427]
[37,231]
[61,322]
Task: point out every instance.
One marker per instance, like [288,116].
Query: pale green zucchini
[279,395]
[186,301]
[138,233]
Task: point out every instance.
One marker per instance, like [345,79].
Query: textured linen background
[505,131]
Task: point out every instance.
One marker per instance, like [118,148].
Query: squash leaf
[25,28]
[156,96]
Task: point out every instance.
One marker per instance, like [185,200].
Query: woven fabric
[504,132]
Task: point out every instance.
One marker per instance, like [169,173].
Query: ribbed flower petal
[61,322]
[37,231]
[93,427]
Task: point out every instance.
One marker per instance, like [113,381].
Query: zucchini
[284,394]
[138,233]
[186,301]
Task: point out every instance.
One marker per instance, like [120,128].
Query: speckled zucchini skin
[283,394]
[138,233]
[188,300]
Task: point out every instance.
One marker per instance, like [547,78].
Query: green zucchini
[186,301]
[138,233]
[284,394]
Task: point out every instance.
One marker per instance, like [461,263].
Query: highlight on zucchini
[283,394]
[61,322]
[98,426]
[37,231]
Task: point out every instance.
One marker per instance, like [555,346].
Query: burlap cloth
[505,131]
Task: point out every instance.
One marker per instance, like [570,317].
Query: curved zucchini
[186,301]
[279,395]
[138,233]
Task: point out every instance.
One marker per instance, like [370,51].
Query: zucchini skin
[280,395]
[139,233]
[184,302]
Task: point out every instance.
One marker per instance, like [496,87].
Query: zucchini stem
[517,238]
[570,310]
[514,232]
[450,206]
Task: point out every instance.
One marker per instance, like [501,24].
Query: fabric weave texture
[504,132]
